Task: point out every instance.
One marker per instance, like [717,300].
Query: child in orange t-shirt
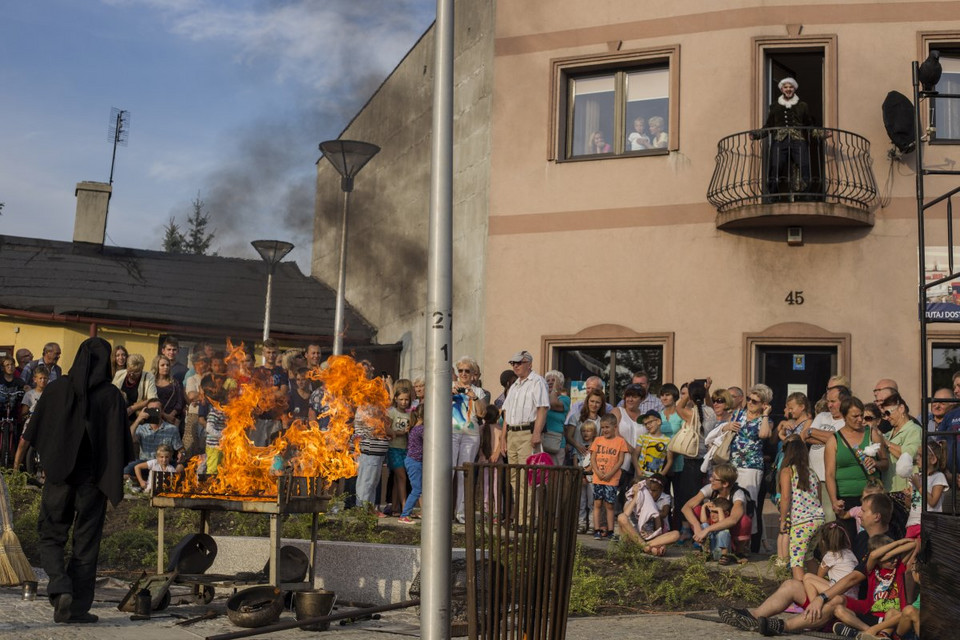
[606,457]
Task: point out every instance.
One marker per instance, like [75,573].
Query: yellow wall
[33,334]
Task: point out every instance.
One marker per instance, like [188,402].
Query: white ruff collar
[789,103]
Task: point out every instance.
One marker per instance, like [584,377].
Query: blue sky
[228,99]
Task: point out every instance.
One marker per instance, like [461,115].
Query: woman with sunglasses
[848,467]
[904,438]
[469,406]
[722,403]
[746,449]
[871,415]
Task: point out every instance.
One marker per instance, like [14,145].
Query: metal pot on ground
[313,604]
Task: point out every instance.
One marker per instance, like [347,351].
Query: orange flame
[304,448]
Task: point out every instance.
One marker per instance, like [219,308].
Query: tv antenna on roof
[117,132]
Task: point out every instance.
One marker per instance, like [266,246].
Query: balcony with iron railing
[793,176]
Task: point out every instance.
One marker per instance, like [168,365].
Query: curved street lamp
[272,252]
[347,157]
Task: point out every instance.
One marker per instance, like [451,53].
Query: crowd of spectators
[843,474]
[844,477]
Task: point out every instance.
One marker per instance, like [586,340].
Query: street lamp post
[435,539]
[272,252]
[347,157]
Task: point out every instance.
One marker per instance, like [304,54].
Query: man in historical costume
[79,428]
[788,169]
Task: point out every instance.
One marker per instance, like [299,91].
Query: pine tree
[197,240]
[173,239]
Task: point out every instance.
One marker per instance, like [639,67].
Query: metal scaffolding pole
[435,541]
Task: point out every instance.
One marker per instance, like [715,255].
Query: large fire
[304,449]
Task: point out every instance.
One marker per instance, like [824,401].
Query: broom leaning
[14,566]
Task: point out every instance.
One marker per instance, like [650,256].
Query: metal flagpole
[435,541]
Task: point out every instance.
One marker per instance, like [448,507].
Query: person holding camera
[688,480]
[469,406]
[149,431]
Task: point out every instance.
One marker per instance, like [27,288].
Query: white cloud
[315,44]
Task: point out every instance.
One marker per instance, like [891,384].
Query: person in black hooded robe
[79,428]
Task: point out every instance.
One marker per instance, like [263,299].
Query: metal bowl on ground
[255,607]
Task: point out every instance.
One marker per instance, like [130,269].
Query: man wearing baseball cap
[524,416]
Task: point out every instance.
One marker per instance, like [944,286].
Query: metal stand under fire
[294,495]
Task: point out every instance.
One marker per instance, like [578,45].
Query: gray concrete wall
[389,207]
[375,573]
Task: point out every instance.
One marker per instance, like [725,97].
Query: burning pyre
[305,448]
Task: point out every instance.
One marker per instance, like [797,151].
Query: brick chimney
[93,200]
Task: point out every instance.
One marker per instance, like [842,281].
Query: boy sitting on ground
[713,512]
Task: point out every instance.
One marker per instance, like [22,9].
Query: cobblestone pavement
[34,621]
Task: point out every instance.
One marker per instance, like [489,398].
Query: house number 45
[794,297]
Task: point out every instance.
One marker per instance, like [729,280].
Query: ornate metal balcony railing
[796,164]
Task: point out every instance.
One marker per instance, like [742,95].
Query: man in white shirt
[524,417]
[821,429]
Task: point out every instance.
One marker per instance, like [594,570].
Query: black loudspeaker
[898,121]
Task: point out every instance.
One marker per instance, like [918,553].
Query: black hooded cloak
[84,402]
